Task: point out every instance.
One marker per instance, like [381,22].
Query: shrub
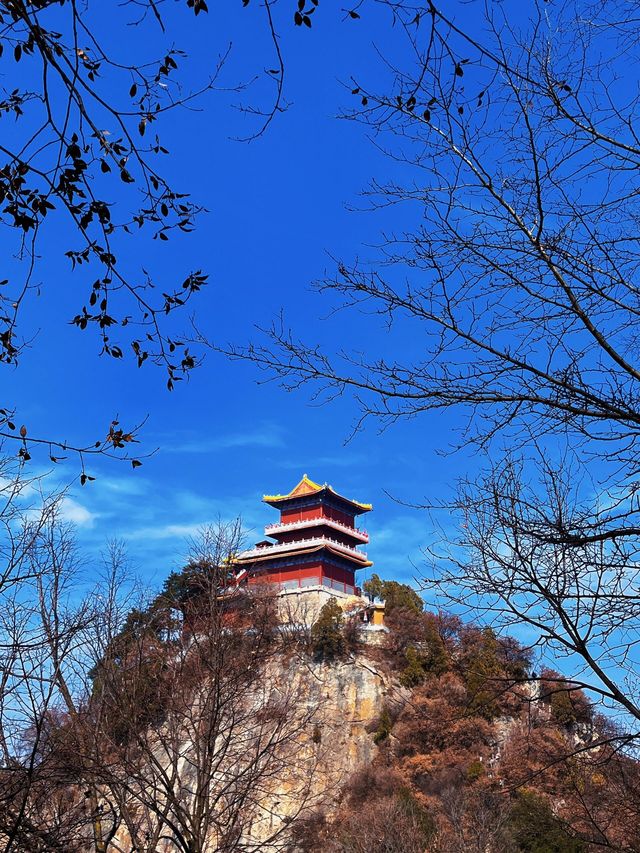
[406,628]
[374,587]
[385,724]
[423,825]
[475,770]
[394,594]
[327,639]
[483,674]
[413,673]
[351,632]
[568,704]
[372,779]
[401,595]
[535,829]
[394,824]
[414,642]
[562,708]
[435,658]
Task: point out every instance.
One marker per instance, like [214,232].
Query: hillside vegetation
[479,753]
[211,725]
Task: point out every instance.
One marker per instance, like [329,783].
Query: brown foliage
[485,753]
[395,820]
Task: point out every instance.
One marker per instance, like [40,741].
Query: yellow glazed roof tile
[306,486]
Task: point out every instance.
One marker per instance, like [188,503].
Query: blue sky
[278,214]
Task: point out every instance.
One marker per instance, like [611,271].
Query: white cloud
[134,484]
[345,459]
[73,511]
[263,436]
[164,531]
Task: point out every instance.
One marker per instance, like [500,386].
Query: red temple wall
[339,574]
[286,573]
[339,516]
[315,569]
[319,511]
[300,514]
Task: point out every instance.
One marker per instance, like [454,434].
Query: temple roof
[308,487]
[267,555]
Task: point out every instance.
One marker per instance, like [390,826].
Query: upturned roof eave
[307,487]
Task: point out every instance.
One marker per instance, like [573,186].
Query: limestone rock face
[338,702]
[347,696]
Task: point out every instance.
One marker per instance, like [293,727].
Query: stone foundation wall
[302,606]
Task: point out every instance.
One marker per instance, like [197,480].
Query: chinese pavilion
[316,541]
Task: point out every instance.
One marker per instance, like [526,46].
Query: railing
[287,546]
[330,583]
[313,522]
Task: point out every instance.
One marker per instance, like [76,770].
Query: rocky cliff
[339,704]
[332,709]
